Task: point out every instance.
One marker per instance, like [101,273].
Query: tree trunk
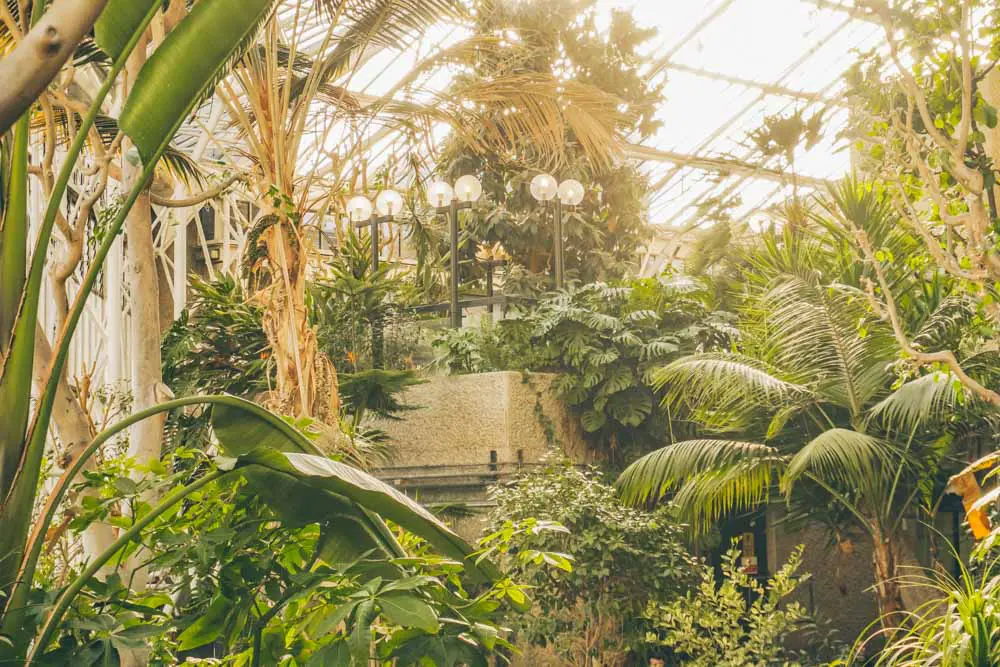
[145,437]
[885,559]
[27,71]
[306,380]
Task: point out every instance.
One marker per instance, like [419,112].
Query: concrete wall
[462,418]
[840,588]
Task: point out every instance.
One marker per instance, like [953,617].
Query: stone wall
[472,431]
[840,587]
[461,419]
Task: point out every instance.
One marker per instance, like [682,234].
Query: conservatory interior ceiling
[728,64]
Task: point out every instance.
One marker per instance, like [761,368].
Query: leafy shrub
[350,299]
[605,341]
[737,623]
[232,581]
[960,626]
[623,559]
[218,345]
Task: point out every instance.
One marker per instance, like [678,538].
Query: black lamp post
[490,258]
[545,188]
[449,201]
[359,208]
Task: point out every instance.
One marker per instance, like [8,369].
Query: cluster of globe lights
[468,189]
[545,187]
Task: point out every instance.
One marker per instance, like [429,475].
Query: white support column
[114,317]
[180,264]
[180,276]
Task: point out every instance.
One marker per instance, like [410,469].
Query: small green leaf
[409,611]
[360,640]
[126,486]
[207,628]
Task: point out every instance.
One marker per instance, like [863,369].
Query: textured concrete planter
[482,419]
[472,431]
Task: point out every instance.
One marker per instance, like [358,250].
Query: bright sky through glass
[728,65]
[714,54]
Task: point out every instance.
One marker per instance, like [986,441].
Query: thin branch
[887,310]
[972,179]
[199,198]
[8,20]
[966,45]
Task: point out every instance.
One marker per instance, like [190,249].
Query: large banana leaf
[118,21]
[197,52]
[283,468]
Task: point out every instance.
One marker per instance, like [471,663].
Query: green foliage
[605,342]
[233,581]
[811,395]
[311,525]
[152,138]
[960,625]
[349,299]
[602,235]
[622,558]
[217,345]
[737,623]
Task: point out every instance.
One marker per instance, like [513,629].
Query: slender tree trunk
[148,389]
[145,363]
[885,559]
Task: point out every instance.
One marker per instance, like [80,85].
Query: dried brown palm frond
[498,116]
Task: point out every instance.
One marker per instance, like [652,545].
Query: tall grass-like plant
[960,627]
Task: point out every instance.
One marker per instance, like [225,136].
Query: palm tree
[308,134]
[810,393]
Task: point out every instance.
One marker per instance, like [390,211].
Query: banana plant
[182,69]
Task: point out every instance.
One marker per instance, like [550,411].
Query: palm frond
[182,167]
[382,24]
[499,115]
[928,400]
[711,495]
[826,333]
[945,325]
[840,456]
[724,389]
[653,475]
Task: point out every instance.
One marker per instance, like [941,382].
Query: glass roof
[728,65]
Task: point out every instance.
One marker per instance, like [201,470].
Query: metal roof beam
[721,165]
[663,61]
[769,88]
[853,11]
